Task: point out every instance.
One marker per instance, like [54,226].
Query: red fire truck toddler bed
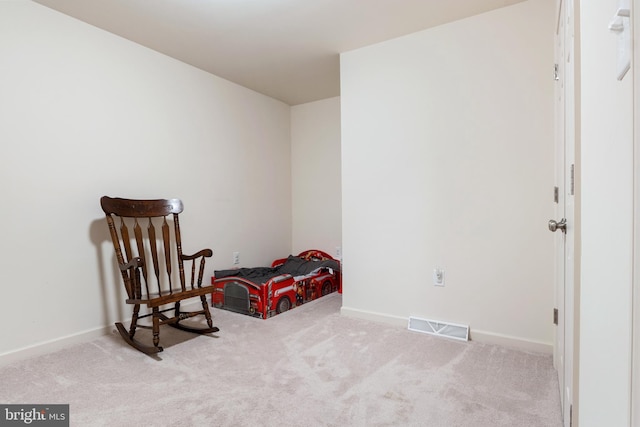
[266,291]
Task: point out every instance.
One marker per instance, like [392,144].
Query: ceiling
[286,49]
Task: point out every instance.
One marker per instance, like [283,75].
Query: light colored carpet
[307,367]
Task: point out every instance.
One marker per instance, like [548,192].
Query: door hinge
[556,196]
[556,72]
[570,415]
[555,316]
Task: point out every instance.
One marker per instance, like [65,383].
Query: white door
[635,390]
[563,225]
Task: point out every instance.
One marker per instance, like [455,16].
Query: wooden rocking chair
[148,265]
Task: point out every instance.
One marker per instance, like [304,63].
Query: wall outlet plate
[438,276]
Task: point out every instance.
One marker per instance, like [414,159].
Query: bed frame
[284,290]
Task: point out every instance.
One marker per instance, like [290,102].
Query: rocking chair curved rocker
[147,261]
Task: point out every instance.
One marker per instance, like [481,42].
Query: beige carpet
[307,367]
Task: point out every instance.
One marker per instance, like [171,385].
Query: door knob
[554,225]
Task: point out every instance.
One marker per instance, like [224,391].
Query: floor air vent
[435,327]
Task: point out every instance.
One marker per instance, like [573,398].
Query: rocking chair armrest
[136,262]
[207,253]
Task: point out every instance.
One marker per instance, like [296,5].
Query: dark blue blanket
[294,266]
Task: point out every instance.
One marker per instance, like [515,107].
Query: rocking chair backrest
[141,233]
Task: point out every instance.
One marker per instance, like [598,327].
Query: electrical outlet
[438,276]
[339,252]
[236,258]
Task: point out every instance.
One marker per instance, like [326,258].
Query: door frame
[559,195]
[568,248]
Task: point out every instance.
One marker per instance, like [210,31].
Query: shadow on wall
[112,291]
[99,235]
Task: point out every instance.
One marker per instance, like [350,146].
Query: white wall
[607,224]
[84,113]
[447,161]
[316,177]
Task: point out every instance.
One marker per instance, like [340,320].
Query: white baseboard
[375,317]
[62,342]
[53,345]
[85,336]
[510,341]
[475,335]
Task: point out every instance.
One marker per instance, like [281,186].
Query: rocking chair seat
[154,299]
